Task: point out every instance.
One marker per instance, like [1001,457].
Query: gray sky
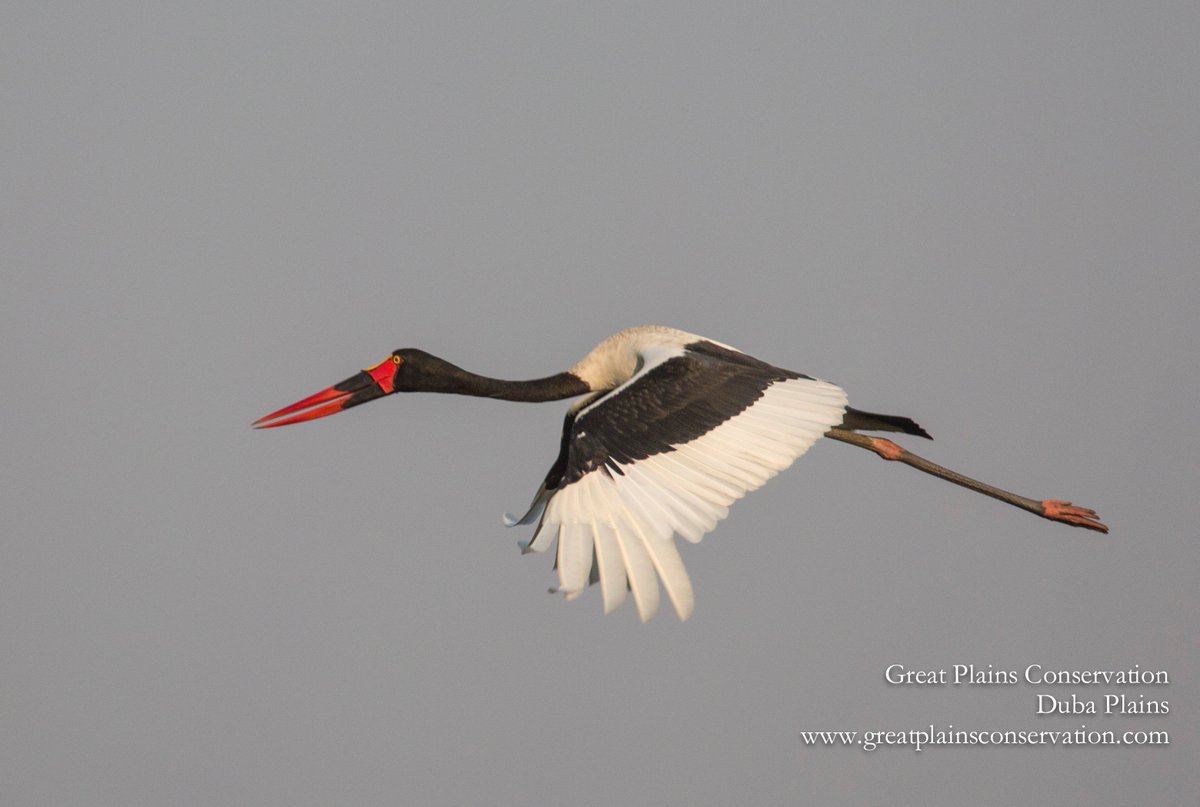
[985,218]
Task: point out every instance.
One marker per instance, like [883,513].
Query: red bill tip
[333,398]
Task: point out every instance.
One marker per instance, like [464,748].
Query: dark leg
[1052,509]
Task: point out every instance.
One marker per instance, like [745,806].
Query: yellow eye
[395,359]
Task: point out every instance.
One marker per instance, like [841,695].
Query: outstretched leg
[1052,509]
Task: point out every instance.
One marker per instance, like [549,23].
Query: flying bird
[668,431]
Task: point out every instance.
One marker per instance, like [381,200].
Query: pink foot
[1067,513]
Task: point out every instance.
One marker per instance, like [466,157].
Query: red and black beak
[372,383]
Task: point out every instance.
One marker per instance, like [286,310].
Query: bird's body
[670,429]
[677,428]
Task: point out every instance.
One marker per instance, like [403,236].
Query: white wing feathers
[621,525]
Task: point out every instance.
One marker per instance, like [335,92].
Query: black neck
[423,372]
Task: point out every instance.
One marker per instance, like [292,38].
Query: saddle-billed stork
[670,430]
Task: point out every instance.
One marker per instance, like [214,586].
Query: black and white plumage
[665,451]
[672,429]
